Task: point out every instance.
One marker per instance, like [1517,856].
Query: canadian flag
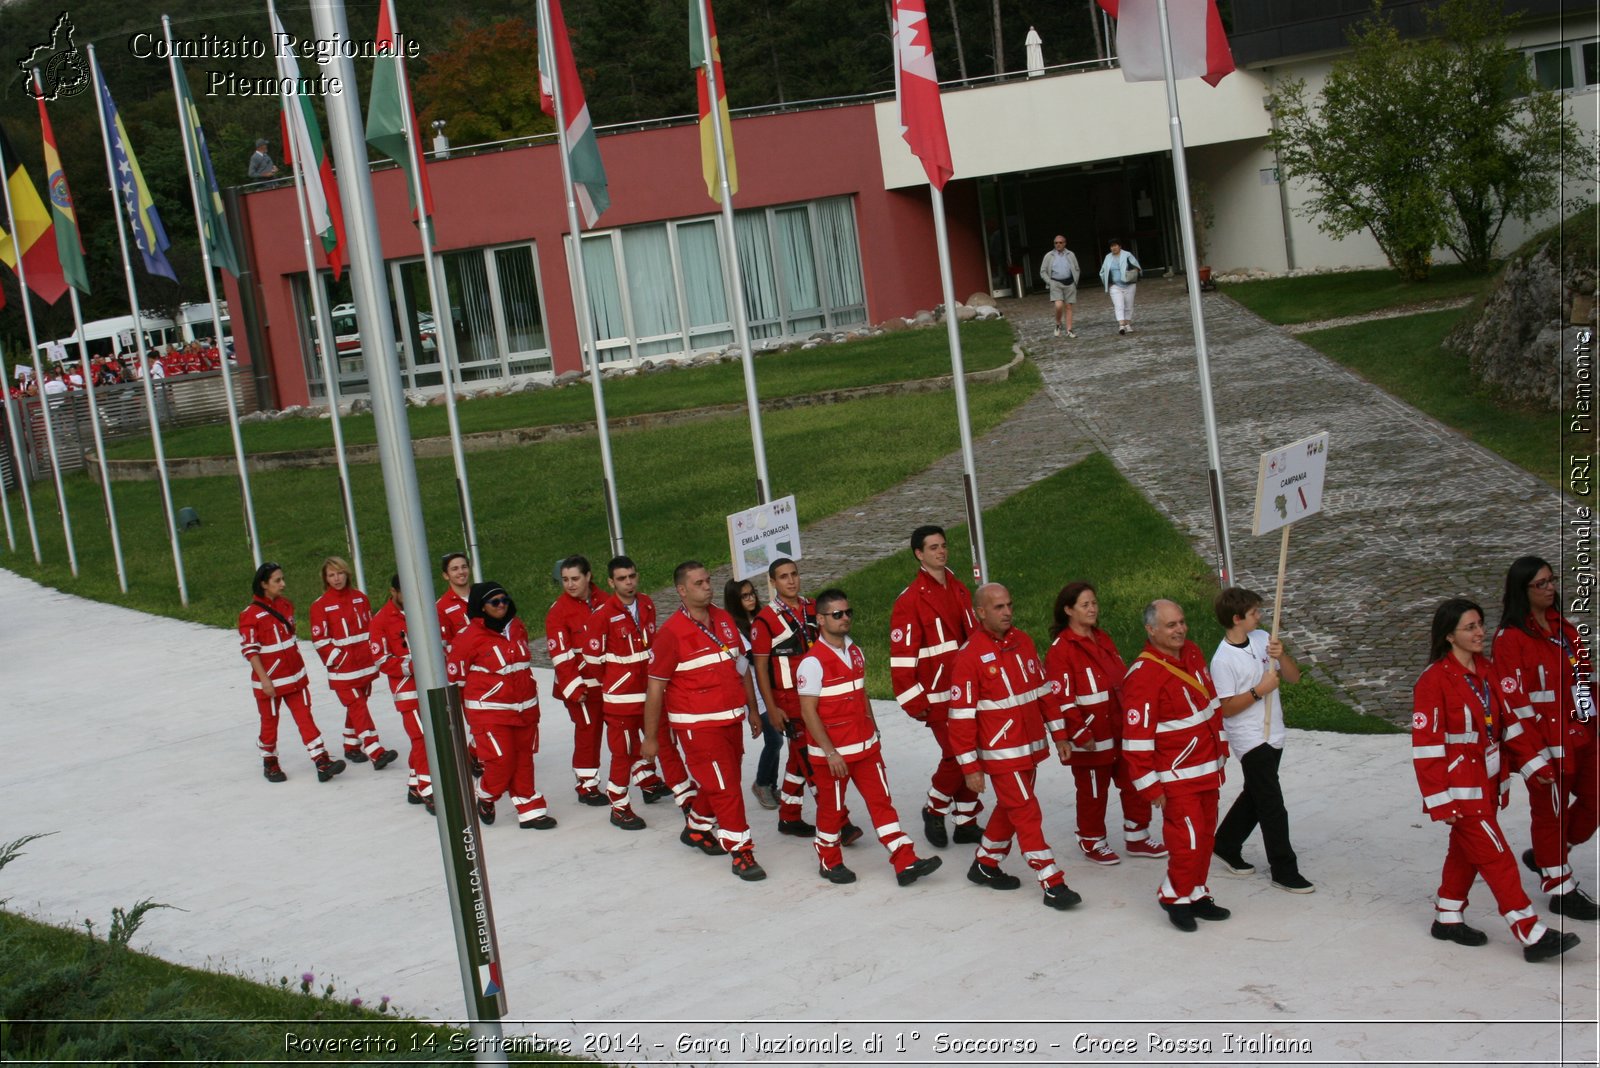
[1199,45]
[916,86]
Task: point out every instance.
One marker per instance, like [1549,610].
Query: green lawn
[1404,357]
[897,357]
[1312,298]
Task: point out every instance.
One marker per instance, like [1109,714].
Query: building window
[1566,66]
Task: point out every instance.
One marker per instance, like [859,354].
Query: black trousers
[1261,802]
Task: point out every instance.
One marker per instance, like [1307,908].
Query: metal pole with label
[460,837]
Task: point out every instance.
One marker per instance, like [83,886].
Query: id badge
[1491,760]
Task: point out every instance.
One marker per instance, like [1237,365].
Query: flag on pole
[143,220]
[916,85]
[305,147]
[1199,44]
[69,242]
[29,229]
[708,142]
[386,129]
[583,150]
[214,221]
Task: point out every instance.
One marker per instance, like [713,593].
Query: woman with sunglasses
[1546,654]
[1467,735]
[743,602]
[490,661]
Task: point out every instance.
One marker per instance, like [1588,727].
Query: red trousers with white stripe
[507,755]
[359,730]
[1477,847]
[948,792]
[1016,815]
[1546,809]
[714,757]
[1189,827]
[871,781]
[673,770]
[1094,786]
[299,706]
[624,733]
[417,759]
[1582,781]
[802,768]
[587,727]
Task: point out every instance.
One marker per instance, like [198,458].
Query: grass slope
[1312,298]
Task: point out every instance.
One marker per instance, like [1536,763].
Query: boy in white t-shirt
[1247,686]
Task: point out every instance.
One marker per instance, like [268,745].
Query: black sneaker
[428,806]
[1061,896]
[272,771]
[655,793]
[1551,944]
[1207,909]
[1575,905]
[354,756]
[993,878]
[1528,861]
[933,828]
[969,833]
[624,817]
[413,796]
[837,874]
[538,823]
[1182,916]
[1459,933]
[702,840]
[476,767]
[746,868]
[1295,883]
[384,759]
[918,868]
[592,798]
[849,834]
[486,811]
[327,769]
[1234,865]
[797,828]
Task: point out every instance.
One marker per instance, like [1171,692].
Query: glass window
[1552,68]
[837,233]
[470,317]
[652,290]
[763,311]
[605,297]
[797,266]
[705,296]
[1591,63]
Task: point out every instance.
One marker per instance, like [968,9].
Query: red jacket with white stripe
[999,704]
[701,670]
[452,612]
[1548,669]
[1085,679]
[1467,734]
[496,675]
[391,652]
[263,634]
[784,635]
[842,703]
[340,622]
[1172,736]
[616,654]
[928,624]
[564,625]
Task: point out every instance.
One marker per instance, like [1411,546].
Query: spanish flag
[703,38]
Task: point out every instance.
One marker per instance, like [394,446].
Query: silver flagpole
[1180,171]
[460,837]
[38,371]
[589,348]
[443,326]
[730,255]
[958,371]
[138,338]
[5,498]
[325,343]
[99,442]
[195,188]
[19,467]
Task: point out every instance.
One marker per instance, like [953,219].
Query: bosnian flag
[489,979]
[916,87]
[1199,45]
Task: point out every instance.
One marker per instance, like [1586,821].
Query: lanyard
[721,646]
[798,624]
[1481,689]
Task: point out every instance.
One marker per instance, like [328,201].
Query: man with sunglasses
[843,746]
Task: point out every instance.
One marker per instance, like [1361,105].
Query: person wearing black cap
[491,663]
[278,674]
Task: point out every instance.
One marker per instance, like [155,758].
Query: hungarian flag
[583,151]
[69,242]
[916,86]
[386,110]
[1199,45]
[29,229]
[213,219]
[698,36]
[305,147]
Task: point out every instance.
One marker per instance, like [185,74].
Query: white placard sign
[757,536]
[1289,483]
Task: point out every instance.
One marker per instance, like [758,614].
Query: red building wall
[515,195]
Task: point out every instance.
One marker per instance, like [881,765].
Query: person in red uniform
[451,609]
[1085,672]
[1000,712]
[698,675]
[564,625]
[491,662]
[616,661]
[391,655]
[1467,735]
[1548,657]
[278,674]
[340,623]
[1173,745]
[842,737]
[931,619]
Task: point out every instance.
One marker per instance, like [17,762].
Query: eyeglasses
[843,613]
[1542,584]
[496,602]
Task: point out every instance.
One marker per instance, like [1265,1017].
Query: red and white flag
[1199,45]
[916,86]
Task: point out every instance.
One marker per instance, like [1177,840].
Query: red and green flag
[387,106]
[69,242]
[698,37]
[305,147]
[583,150]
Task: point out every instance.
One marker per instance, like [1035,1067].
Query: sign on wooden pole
[757,536]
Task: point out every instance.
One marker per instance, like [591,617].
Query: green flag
[213,221]
[386,129]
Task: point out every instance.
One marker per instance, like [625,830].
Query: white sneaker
[1071,334]
[1058,330]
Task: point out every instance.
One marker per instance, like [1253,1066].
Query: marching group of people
[66,376]
[673,698]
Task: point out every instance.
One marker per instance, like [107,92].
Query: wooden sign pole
[1277,614]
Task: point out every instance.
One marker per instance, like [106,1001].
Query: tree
[1426,143]
[484,82]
